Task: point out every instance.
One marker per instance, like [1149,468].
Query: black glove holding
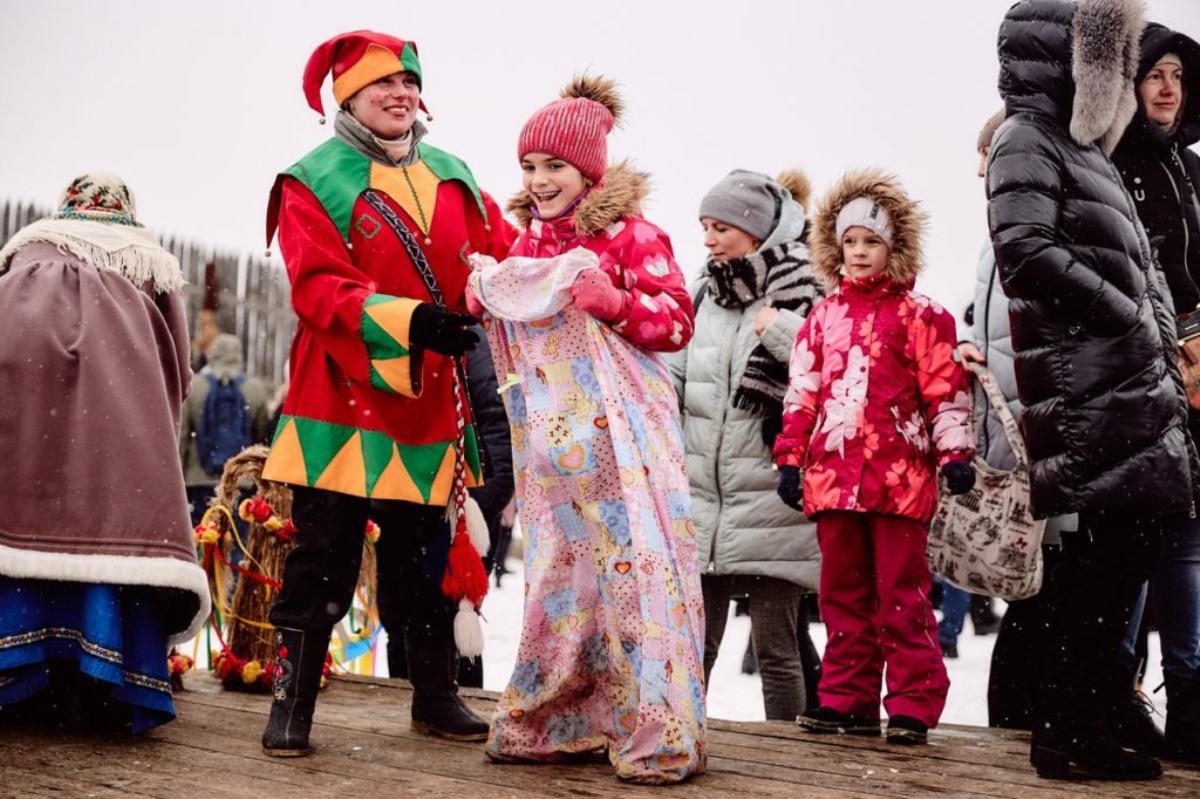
[790,489]
[960,476]
[439,330]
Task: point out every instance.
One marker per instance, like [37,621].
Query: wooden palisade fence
[252,293]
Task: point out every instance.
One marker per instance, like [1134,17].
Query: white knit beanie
[865,212]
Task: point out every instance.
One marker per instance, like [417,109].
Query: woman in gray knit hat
[756,288]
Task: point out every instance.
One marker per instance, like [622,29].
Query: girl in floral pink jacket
[875,404]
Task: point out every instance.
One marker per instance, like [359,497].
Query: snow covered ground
[738,696]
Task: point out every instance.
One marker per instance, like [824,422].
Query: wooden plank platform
[365,749]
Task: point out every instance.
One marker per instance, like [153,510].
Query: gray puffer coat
[741,524]
[992,335]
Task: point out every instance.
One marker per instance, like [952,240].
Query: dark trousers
[1023,645]
[390,587]
[321,573]
[1098,581]
[774,615]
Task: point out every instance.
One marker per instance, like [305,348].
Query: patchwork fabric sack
[986,541]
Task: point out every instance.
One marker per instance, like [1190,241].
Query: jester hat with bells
[357,59]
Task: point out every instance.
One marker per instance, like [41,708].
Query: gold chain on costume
[417,200]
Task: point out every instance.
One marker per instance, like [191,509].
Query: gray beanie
[746,200]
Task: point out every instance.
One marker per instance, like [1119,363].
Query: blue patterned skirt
[111,633]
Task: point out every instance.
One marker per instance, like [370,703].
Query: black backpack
[224,428]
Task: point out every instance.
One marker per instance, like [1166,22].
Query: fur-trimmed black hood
[908,226]
[1075,62]
[620,193]
[1157,41]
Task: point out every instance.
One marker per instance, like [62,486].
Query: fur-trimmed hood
[1074,62]
[908,226]
[621,192]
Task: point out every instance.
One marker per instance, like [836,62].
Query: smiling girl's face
[552,182]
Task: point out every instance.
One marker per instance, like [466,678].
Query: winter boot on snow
[1183,718]
[436,706]
[300,660]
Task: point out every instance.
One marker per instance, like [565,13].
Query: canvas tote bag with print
[985,541]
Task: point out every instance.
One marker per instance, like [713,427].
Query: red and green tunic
[367,413]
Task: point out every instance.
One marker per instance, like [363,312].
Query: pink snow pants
[874,600]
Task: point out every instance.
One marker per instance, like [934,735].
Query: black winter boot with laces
[1126,713]
[1071,739]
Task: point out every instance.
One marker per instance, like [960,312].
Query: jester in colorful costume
[375,227]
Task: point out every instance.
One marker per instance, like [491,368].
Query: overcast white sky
[198,105]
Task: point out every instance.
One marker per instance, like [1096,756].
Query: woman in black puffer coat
[1093,331]
[1162,175]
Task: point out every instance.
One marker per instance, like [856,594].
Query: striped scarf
[784,276]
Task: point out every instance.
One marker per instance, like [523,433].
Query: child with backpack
[226,412]
[875,404]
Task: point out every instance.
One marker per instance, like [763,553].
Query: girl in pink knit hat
[611,656]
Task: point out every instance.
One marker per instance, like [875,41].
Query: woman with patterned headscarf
[98,571]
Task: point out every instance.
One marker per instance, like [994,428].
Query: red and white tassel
[477,527]
[468,632]
[465,579]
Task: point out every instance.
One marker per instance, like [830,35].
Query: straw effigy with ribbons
[242,541]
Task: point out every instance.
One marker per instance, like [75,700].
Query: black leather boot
[300,659]
[1094,757]
[1072,734]
[1128,713]
[1134,728]
[1183,719]
[436,706]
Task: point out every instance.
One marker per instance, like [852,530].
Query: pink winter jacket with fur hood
[876,400]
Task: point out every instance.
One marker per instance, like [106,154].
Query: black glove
[960,476]
[439,330]
[790,489]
